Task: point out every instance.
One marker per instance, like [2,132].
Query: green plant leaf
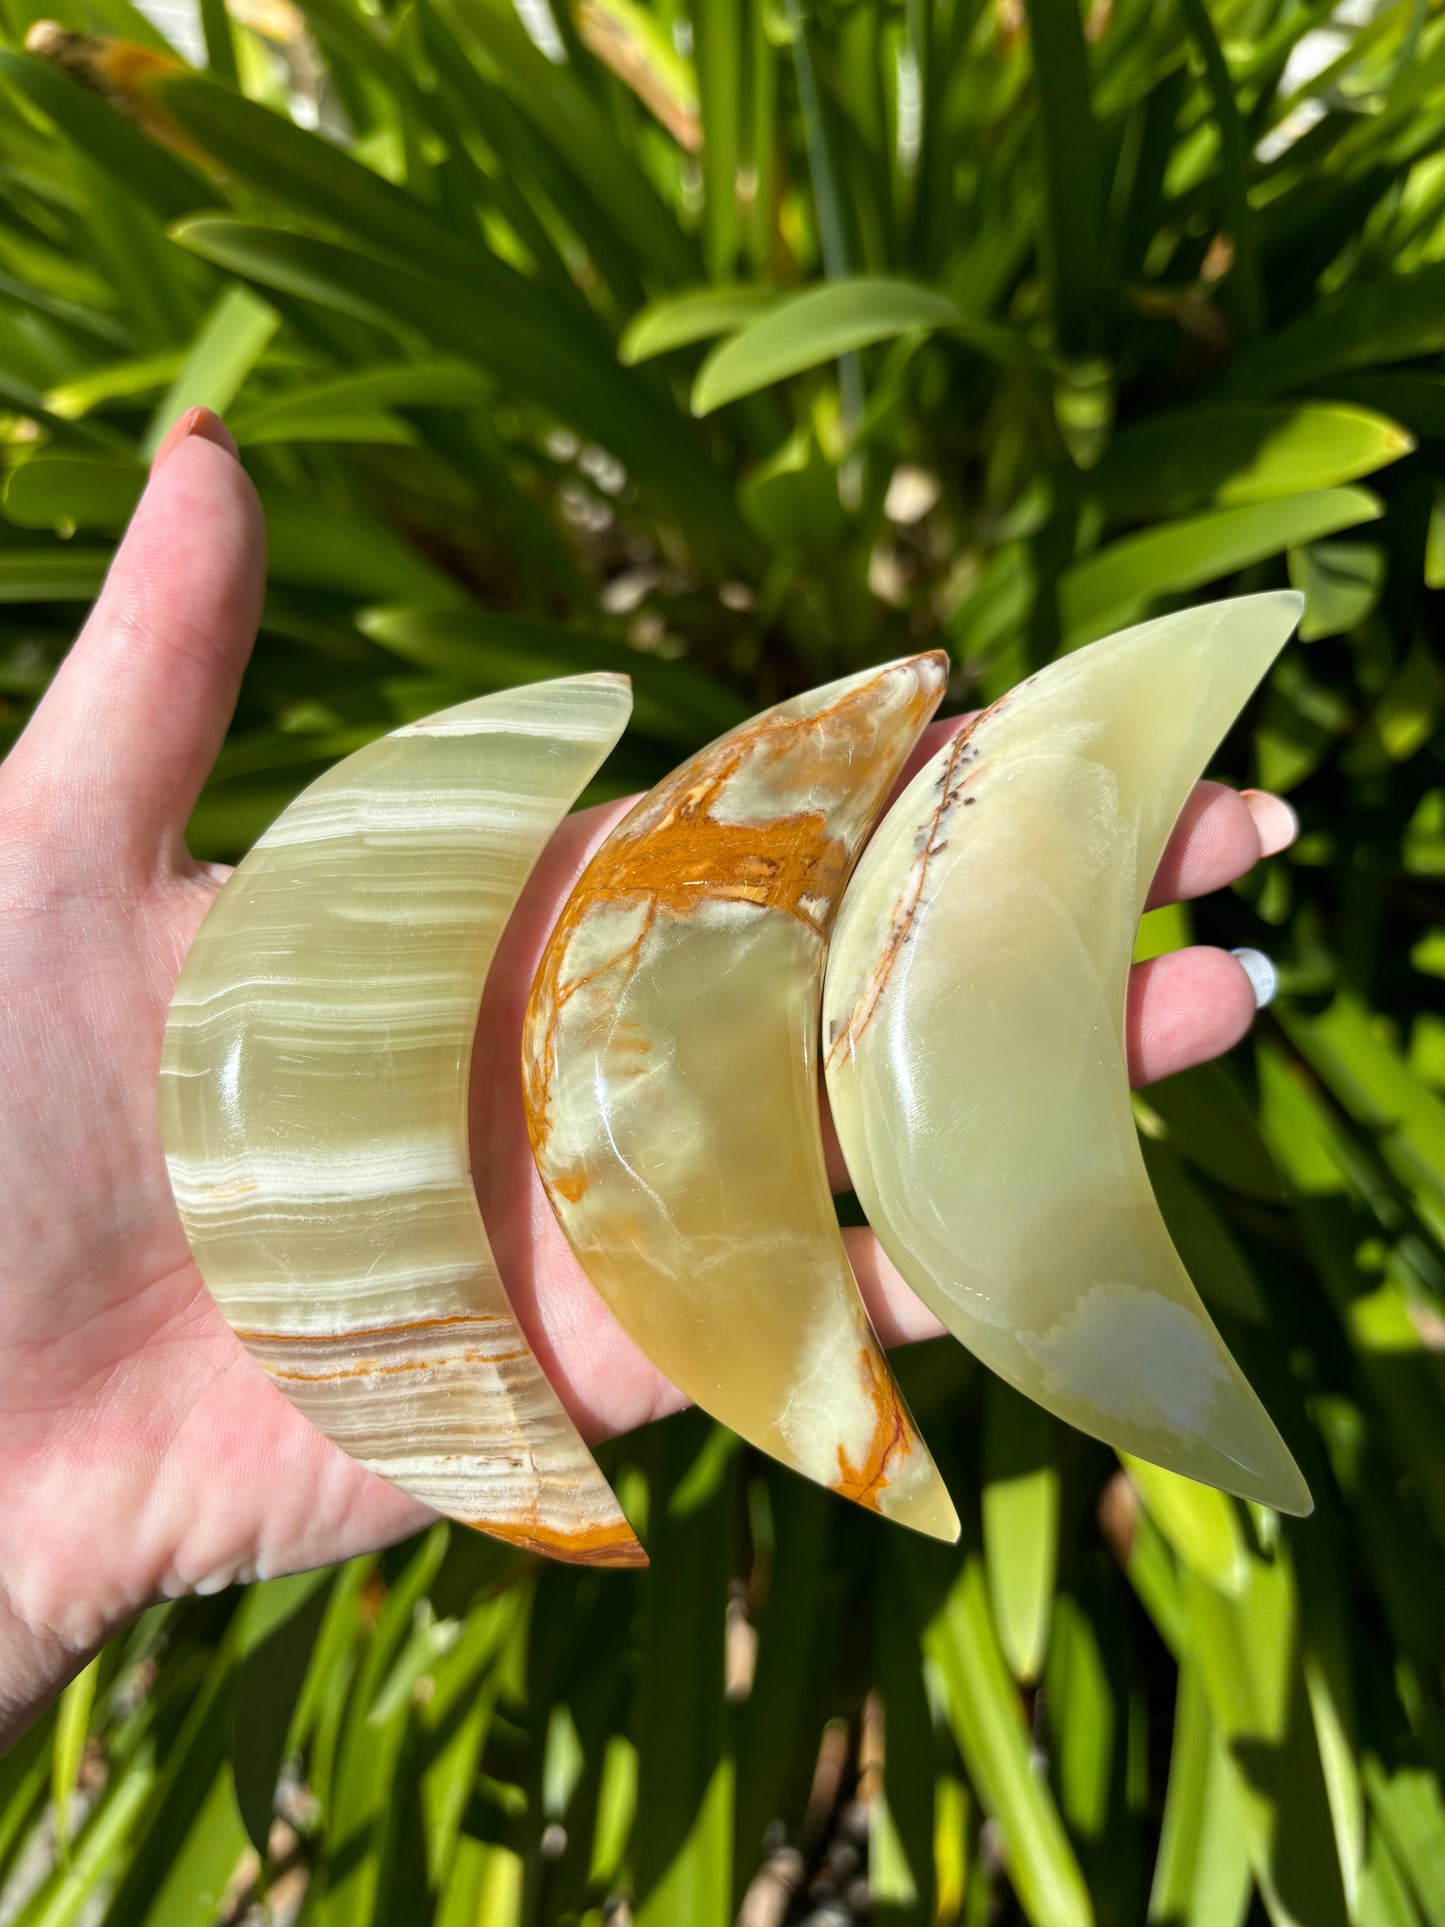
[1212,1257]
[805,330]
[576,131]
[1228,456]
[232,340]
[901,1826]
[1020,1502]
[987,1719]
[1115,586]
[283,1618]
[1394,318]
[117,381]
[203,1863]
[1340,582]
[56,574]
[1202,1876]
[1086,1720]
[122,153]
[1411,1814]
[487,650]
[354,406]
[72,1723]
[1416,400]
[1208,1121]
[565,370]
[1248,1657]
[1064,119]
[1435,543]
[775,1739]
[1375,1086]
[1202,1525]
[718,34]
[74,491]
[682,1840]
[697,314]
[99,1852]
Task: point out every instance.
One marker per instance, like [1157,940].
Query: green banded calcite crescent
[973,1035]
[313,1097]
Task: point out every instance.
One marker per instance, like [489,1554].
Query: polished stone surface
[672,1085]
[974,1042]
[314,1110]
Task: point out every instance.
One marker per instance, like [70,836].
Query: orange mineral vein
[671,1076]
[314,1110]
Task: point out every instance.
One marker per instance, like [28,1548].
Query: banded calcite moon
[974,1042]
[313,1101]
[671,1078]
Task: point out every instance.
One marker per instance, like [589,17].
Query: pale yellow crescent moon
[974,1042]
[313,1102]
[672,1095]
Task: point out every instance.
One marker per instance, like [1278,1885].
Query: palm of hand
[142,1454]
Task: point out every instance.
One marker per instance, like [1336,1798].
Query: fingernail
[1262,975]
[201,422]
[1274,820]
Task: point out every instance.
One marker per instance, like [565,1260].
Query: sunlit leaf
[805,330]
[987,1719]
[1241,453]
[1117,585]
[697,315]
[1020,1503]
[230,343]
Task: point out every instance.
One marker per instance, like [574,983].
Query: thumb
[116,753]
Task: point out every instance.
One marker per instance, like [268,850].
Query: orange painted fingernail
[1274,820]
[195,421]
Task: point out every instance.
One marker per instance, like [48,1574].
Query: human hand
[142,1454]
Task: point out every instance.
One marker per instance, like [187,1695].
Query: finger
[898,1317]
[117,751]
[1183,1009]
[1221,833]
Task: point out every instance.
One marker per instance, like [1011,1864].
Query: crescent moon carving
[974,1041]
[670,1073]
[313,1098]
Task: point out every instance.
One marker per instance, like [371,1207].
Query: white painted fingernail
[1276,824]
[1262,975]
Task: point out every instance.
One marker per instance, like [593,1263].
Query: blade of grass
[987,1720]
[1202,1876]
[72,1725]
[1020,1503]
[1064,119]
[234,336]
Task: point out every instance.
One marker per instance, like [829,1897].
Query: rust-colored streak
[675,852]
[377,1368]
[951,784]
[790,863]
[609,1545]
[892,1435]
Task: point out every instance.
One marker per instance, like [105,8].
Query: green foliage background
[610,350]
